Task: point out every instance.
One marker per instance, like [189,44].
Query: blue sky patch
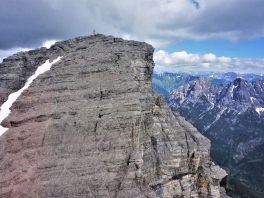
[242,49]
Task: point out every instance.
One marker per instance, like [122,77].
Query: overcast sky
[224,35]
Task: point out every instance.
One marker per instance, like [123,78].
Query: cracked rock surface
[93,127]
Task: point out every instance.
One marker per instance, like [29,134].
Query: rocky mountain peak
[231,116]
[238,95]
[200,83]
[92,126]
[237,81]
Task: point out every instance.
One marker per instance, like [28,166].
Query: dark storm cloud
[236,20]
[195,3]
[219,19]
[28,23]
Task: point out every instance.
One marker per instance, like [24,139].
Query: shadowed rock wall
[93,127]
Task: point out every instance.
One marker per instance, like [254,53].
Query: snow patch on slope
[5,108]
[252,99]
[217,118]
[259,110]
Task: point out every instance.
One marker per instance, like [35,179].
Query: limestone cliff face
[93,127]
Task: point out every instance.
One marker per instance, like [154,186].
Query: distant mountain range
[228,108]
[166,83]
[232,117]
[239,96]
[225,78]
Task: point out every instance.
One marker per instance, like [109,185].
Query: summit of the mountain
[92,126]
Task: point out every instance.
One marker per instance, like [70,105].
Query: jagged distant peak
[236,95]
[231,115]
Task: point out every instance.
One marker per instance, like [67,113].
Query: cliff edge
[92,126]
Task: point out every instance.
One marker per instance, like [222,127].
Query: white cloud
[206,65]
[163,57]
[49,43]
[180,61]
[224,59]
[209,57]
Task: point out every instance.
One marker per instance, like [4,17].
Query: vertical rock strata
[93,127]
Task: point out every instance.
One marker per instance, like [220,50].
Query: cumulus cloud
[49,43]
[29,23]
[209,57]
[182,61]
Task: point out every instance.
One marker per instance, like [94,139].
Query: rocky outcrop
[93,127]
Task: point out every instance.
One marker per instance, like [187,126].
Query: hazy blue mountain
[165,83]
[225,78]
[232,117]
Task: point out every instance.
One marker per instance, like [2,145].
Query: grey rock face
[93,127]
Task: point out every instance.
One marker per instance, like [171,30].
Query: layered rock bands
[93,127]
